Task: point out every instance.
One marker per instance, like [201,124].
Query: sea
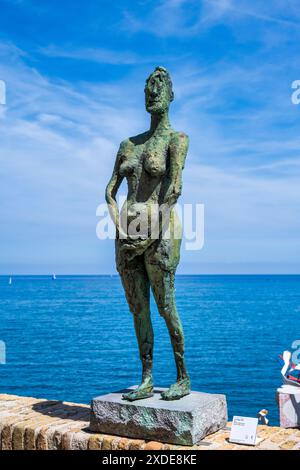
[73,338]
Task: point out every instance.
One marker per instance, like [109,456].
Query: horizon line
[179,274]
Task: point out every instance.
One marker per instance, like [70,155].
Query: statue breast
[155,162]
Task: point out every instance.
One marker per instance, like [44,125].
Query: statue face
[157,94]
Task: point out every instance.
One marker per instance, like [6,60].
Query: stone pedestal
[288,398]
[184,422]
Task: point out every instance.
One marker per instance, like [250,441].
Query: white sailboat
[53,277]
[10,281]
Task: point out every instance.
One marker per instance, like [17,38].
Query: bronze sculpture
[152,163]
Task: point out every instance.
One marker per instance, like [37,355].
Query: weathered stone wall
[31,423]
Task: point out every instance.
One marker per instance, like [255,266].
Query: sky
[75,73]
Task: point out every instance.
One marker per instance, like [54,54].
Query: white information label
[243,430]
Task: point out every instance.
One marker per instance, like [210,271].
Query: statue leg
[162,284]
[137,289]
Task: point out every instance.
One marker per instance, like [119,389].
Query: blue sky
[75,74]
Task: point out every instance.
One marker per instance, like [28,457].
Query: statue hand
[135,249]
[171,196]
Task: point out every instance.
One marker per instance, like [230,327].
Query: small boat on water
[10,281]
[53,277]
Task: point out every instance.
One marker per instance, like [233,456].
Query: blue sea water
[73,338]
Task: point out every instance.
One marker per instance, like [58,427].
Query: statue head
[158,91]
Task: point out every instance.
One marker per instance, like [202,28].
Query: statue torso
[144,161]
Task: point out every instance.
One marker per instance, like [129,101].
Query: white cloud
[58,144]
[57,151]
[191,17]
[101,55]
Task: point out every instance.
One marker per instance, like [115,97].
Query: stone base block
[288,398]
[184,422]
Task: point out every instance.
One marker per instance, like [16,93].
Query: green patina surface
[152,163]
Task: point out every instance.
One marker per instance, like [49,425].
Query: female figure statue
[152,163]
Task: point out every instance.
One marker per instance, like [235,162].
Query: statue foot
[145,390]
[178,390]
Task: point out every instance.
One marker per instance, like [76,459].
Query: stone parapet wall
[39,424]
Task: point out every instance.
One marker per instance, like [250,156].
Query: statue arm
[111,192]
[178,150]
